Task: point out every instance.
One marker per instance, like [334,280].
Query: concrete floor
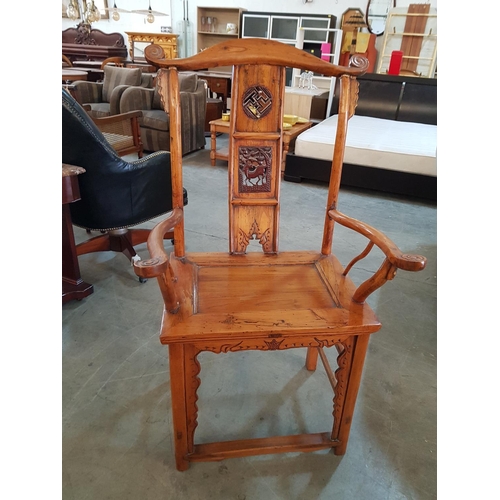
[116,423]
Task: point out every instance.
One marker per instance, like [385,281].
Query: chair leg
[312,358]
[183,383]
[351,362]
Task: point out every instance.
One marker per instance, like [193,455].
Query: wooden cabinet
[212,27]
[138,41]
[286,28]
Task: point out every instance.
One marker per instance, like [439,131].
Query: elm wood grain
[213,452]
[269,300]
[73,286]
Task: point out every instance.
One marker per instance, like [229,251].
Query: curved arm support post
[157,266]
[395,258]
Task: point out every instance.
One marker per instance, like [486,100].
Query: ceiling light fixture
[150,14]
[92,14]
[115,12]
[72,11]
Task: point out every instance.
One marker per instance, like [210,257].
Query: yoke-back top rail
[255,131]
[255,51]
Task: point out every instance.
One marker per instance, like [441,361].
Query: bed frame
[408,99]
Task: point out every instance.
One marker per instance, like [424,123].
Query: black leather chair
[115,194]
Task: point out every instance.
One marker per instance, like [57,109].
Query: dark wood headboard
[84,42]
[401,98]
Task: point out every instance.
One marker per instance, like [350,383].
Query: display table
[73,287]
[221,126]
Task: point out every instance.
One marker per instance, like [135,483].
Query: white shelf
[322,82]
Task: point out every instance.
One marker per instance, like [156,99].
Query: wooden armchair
[155,123]
[269,300]
[104,97]
[121,131]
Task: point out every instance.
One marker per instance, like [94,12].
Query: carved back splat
[255,138]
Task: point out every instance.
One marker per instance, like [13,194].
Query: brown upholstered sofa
[155,122]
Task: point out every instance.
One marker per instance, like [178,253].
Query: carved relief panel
[255,159]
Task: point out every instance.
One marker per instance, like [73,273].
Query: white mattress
[375,142]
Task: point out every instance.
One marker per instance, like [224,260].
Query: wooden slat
[411,45]
[261,446]
[328,369]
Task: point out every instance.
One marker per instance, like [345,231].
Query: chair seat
[310,297]
[99,109]
[155,119]
[119,141]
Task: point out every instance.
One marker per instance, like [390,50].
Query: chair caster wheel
[143,280]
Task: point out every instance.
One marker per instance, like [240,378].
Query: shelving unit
[415,34]
[285,28]
[320,81]
[210,34]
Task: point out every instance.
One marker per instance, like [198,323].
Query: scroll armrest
[394,258]
[157,266]
[389,248]
[158,262]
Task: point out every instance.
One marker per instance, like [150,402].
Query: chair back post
[168,87]
[347,104]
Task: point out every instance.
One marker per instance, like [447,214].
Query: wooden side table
[71,75]
[218,83]
[73,287]
[221,126]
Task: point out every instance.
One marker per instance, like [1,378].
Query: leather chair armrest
[136,99]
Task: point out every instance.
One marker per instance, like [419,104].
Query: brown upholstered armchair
[155,122]
[104,97]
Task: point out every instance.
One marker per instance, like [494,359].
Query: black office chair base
[118,240]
